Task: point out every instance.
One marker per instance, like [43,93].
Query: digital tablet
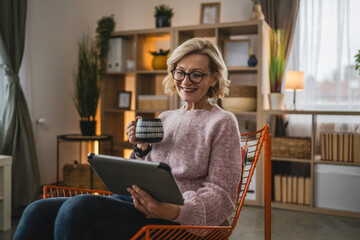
[119,173]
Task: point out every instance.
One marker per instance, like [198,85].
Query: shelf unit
[143,80]
[5,192]
[289,165]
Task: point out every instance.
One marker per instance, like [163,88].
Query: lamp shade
[294,80]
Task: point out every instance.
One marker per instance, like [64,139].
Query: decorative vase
[87,127]
[256,13]
[159,62]
[252,62]
[276,101]
[163,21]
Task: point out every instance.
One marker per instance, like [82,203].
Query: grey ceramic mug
[149,130]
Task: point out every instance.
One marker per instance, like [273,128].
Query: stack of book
[292,189]
[340,147]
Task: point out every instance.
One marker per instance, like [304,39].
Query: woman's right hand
[130,132]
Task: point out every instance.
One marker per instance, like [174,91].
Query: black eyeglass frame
[185,73]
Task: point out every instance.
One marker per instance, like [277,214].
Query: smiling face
[195,94]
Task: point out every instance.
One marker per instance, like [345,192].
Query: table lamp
[294,80]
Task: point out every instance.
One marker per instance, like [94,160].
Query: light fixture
[294,81]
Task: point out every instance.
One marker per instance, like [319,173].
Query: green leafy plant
[163,10]
[104,29]
[90,68]
[256,1]
[87,80]
[357,61]
[277,60]
[161,52]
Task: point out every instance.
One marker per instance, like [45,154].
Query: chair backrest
[255,142]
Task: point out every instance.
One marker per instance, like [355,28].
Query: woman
[201,144]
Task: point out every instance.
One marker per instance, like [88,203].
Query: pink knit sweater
[203,150]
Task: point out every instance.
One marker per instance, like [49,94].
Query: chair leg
[267,155]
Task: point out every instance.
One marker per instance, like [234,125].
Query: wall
[53,29]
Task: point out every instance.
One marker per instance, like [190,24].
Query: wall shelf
[291,160]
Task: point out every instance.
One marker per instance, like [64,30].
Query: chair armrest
[183,232]
[57,191]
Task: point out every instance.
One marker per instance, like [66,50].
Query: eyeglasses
[195,77]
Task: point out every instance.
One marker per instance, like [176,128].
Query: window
[326,39]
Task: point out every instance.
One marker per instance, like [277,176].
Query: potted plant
[357,61]
[159,59]
[87,85]
[104,29]
[252,61]
[276,68]
[163,15]
[90,68]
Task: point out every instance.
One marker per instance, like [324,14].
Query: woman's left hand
[151,207]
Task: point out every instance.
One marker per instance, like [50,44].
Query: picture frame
[210,13]
[124,100]
[237,52]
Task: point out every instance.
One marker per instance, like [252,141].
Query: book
[277,188]
[346,147]
[351,147]
[289,189]
[307,191]
[322,145]
[328,148]
[341,147]
[334,145]
[356,148]
[284,189]
[294,189]
[301,186]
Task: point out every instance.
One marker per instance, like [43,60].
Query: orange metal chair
[255,142]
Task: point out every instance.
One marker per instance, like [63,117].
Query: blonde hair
[216,64]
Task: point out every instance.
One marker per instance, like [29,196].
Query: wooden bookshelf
[143,80]
[288,164]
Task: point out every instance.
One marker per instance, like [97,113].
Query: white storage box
[337,187]
[118,54]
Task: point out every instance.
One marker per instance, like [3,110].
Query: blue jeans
[83,217]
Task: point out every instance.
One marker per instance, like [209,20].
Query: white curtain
[326,39]
[2,92]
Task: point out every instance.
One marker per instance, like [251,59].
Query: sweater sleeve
[215,200]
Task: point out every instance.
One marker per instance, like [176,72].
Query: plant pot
[159,62]
[163,21]
[276,101]
[252,62]
[87,127]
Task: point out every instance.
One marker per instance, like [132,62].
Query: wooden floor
[285,225]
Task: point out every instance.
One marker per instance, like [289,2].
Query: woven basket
[78,176]
[291,147]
